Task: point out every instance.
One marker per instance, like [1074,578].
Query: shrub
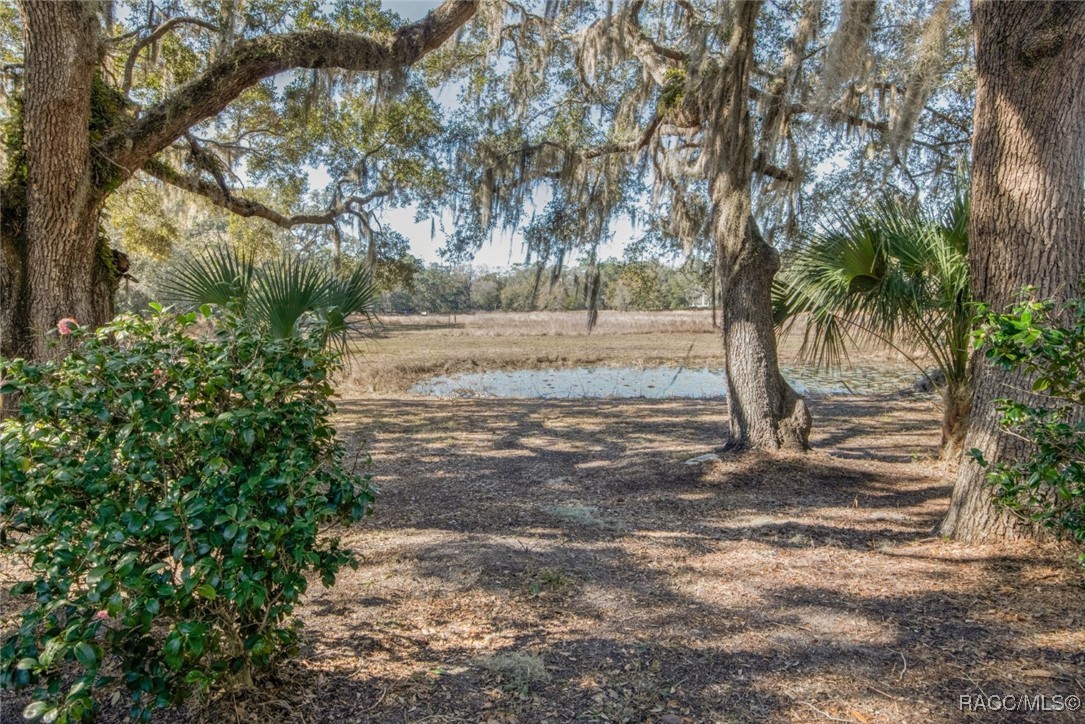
[166,488]
[895,273]
[1047,342]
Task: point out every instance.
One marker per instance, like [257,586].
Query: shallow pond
[651,382]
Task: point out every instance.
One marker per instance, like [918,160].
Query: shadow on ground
[559,561]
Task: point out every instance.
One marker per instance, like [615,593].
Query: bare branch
[222,197]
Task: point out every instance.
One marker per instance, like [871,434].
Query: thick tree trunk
[1027,225]
[59,267]
[765,413]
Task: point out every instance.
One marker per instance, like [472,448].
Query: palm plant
[896,273]
[286,296]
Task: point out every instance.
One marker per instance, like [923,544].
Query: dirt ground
[555,561]
[559,561]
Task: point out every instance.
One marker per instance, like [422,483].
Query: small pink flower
[102,615]
[67,325]
[157,371]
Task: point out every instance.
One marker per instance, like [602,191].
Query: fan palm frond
[352,295]
[284,291]
[281,296]
[220,276]
[894,272]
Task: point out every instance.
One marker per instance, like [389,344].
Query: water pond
[650,382]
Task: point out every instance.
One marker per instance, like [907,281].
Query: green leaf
[35,709]
[96,574]
[171,652]
[27,663]
[85,654]
[207,591]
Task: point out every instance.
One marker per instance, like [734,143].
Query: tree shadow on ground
[552,562]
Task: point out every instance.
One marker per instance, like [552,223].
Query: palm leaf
[219,276]
[894,272]
[347,296]
[281,295]
[285,290]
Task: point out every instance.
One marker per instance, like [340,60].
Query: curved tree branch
[657,59]
[130,64]
[642,38]
[222,197]
[250,61]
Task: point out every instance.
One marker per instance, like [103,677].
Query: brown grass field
[558,561]
[402,350]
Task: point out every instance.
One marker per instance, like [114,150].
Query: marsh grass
[403,350]
[552,324]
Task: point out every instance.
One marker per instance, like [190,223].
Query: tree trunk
[1027,225]
[956,402]
[58,265]
[765,413]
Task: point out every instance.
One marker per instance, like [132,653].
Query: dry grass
[557,561]
[406,350]
[552,324]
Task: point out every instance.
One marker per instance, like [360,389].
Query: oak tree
[80,126]
[1027,225]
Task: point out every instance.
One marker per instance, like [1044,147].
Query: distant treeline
[623,285]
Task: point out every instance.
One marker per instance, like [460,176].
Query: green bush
[166,486]
[1047,342]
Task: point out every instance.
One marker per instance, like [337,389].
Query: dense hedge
[167,485]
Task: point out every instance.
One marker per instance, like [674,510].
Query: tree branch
[835,116]
[669,53]
[656,58]
[627,147]
[763,167]
[130,64]
[250,61]
[223,198]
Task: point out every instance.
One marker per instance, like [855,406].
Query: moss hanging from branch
[848,56]
[928,64]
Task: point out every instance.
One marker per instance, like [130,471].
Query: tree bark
[956,402]
[1027,225]
[765,412]
[58,268]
